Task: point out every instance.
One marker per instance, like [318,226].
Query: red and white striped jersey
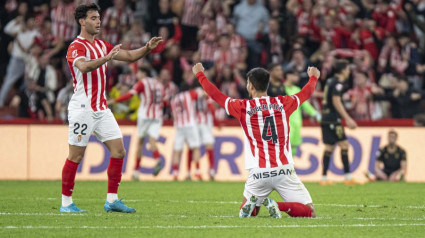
[63,21]
[89,88]
[183,108]
[265,122]
[151,93]
[204,111]
[192,13]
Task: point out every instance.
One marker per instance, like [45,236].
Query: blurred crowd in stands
[383,39]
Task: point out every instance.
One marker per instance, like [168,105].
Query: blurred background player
[296,119]
[332,129]
[264,120]
[88,111]
[390,162]
[149,117]
[183,109]
[205,121]
[276,86]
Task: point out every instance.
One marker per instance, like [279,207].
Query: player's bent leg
[139,152]
[156,155]
[76,154]
[296,209]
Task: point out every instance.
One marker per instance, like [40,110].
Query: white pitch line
[212,226]
[239,202]
[210,216]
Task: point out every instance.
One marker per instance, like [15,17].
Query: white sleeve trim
[76,59]
[226,104]
[298,101]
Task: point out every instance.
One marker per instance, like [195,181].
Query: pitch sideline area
[209,209]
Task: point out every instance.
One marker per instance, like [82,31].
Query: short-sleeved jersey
[203,113]
[183,108]
[265,122]
[89,88]
[392,161]
[151,93]
[332,88]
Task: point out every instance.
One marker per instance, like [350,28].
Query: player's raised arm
[209,88]
[308,89]
[86,66]
[138,88]
[134,55]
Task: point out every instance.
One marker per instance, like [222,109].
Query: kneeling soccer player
[265,121]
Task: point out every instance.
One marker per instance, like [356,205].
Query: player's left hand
[198,68]
[153,43]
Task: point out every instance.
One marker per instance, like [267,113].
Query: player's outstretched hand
[114,52]
[153,43]
[313,71]
[198,68]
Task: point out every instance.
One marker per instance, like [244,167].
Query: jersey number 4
[269,124]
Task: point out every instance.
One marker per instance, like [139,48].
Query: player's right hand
[313,71]
[198,68]
[351,123]
[114,52]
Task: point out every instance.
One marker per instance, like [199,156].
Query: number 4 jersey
[265,122]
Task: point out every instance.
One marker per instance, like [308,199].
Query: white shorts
[189,134]
[149,126]
[83,123]
[262,181]
[206,134]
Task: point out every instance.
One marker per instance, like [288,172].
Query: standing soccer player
[149,117]
[88,111]
[265,121]
[332,130]
[183,109]
[205,120]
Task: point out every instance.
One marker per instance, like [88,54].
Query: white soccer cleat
[249,206]
[136,174]
[273,208]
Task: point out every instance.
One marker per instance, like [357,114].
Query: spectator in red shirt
[385,17]
[334,33]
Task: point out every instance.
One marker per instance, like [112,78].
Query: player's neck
[340,78]
[259,94]
[87,36]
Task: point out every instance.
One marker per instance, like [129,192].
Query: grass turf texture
[209,209]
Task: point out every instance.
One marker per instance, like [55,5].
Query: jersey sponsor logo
[273,173]
[74,54]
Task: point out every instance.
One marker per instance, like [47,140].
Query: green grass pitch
[209,209]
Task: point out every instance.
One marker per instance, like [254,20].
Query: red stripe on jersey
[74,80]
[186,98]
[151,98]
[245,128]
[285,137]
[257,135]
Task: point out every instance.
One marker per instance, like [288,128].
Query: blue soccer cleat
[118,206]
[71,208]
[273,208]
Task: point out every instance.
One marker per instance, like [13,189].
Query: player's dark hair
[288,72]
[145,70]
[259,78]
[271,66]
[393,132]
[339,66]
[81,11]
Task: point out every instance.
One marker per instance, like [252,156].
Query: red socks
[114,174]
[68,177]
[189,159]
[211,158]
[294,209]
[155,154]
[137,165]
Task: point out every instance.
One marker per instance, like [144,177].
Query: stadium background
[382,39]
